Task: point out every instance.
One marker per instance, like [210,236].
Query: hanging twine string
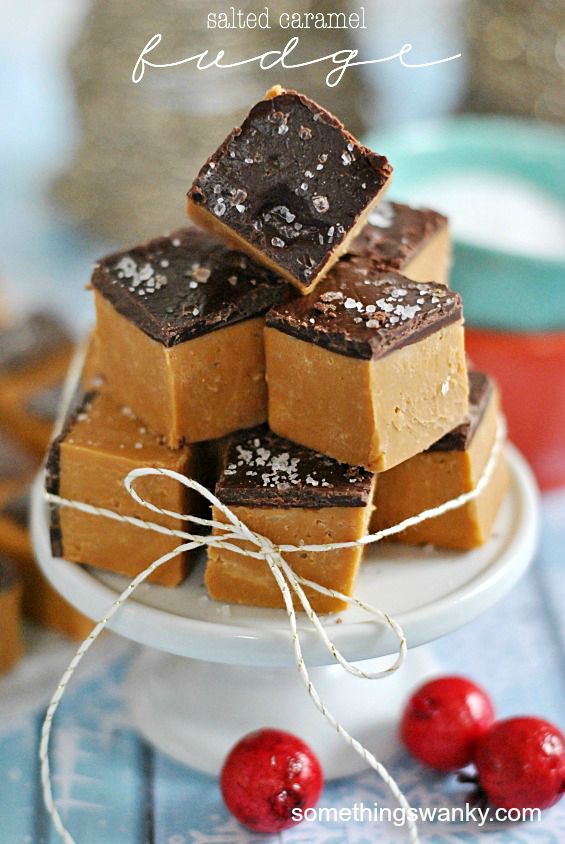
[227,535]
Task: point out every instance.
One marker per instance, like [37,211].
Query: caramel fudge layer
[91,378]
[34,358]
[11,645]
[180,322]
[413,241]
[369,369]
[452,466]
[101,443]
[291,495]
[291,187]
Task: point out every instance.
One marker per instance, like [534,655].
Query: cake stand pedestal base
[195,711]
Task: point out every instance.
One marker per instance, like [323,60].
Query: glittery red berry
[443,721]
[521,764]
[268,774]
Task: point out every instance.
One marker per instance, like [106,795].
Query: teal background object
[500,289]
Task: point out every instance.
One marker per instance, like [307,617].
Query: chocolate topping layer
[9,574]
[291,181]
[30,339]
[394,234]
[365,314]
[481,388]
[263,470]
[181,286]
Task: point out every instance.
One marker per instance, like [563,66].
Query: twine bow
[228,535]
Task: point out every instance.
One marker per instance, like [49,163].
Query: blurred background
[91,161]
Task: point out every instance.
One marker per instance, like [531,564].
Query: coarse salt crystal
[351,304]
[385,306]
[321,204]
[219,208]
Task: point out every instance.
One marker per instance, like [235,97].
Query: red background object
[530,371]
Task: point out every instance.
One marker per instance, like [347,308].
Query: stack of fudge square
[298,350]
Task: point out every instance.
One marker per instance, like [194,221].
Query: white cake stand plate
[228,670]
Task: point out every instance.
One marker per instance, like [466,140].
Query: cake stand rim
[271,646]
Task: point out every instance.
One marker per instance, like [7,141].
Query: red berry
[443,721]
[521,764]
[268,774]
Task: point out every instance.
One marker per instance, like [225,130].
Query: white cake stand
[229,670]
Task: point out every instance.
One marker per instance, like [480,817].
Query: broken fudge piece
[99,445]
[412,241]
[11,645]
[34,358]
[180,326]
[369,368]
[291,187]
[450,467]
[291,495]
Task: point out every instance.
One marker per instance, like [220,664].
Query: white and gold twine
[288,582]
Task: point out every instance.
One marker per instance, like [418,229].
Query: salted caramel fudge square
[34,357]
[291,187]
[450,467]
[293,496]
[11,644]
[369,368]
[180,328]
[412,241]
[98,447]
